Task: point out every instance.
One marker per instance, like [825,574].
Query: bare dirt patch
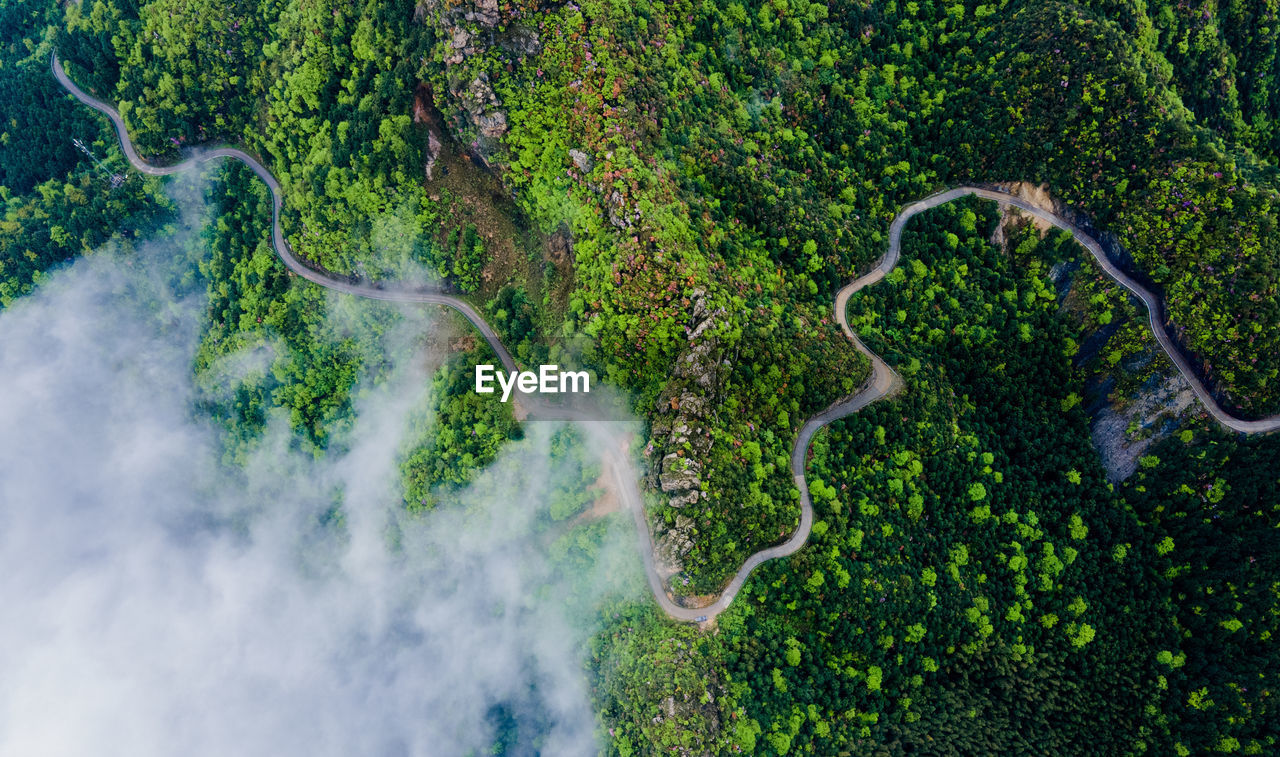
[1037,195]
[608,501]
[560,255]
[605,504]
[515,253]
[478,199]
[694,601]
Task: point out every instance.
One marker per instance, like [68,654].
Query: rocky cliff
[681,435]
[470,32]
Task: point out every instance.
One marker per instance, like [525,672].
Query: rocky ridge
[470,31]
[681,435]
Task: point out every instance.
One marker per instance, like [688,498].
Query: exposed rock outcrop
[424,112]
[618,211]
[1123,433]
[681,437]
[469,30]
[621,214]
[482,13]
[670,548]
[520,41]
[581,161]
[481,105]
[463,44]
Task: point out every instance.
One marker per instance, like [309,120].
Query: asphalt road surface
[883,381]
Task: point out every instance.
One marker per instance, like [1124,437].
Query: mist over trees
[681,187]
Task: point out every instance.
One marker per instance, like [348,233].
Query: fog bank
[156,603]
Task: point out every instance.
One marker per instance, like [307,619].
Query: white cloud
[153,603]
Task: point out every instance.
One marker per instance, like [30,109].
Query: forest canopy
[677,190]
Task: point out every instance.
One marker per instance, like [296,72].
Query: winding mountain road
[882,382]
[1149,300]
[336,282]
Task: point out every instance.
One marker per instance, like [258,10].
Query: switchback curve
[882,382]
[1148,299]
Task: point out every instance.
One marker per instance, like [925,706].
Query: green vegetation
[960,570]
[712,172]
[1221,58]
[782,374]
[57,202]
[257,307]
[466,432]
[784,137]
[1209,504]
[973,585]
[662,689]
[1188,213]
[255,304]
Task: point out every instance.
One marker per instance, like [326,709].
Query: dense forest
[826,119]
[963,568]
[974,585]
[680,188]
[59,202]
[725,224]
